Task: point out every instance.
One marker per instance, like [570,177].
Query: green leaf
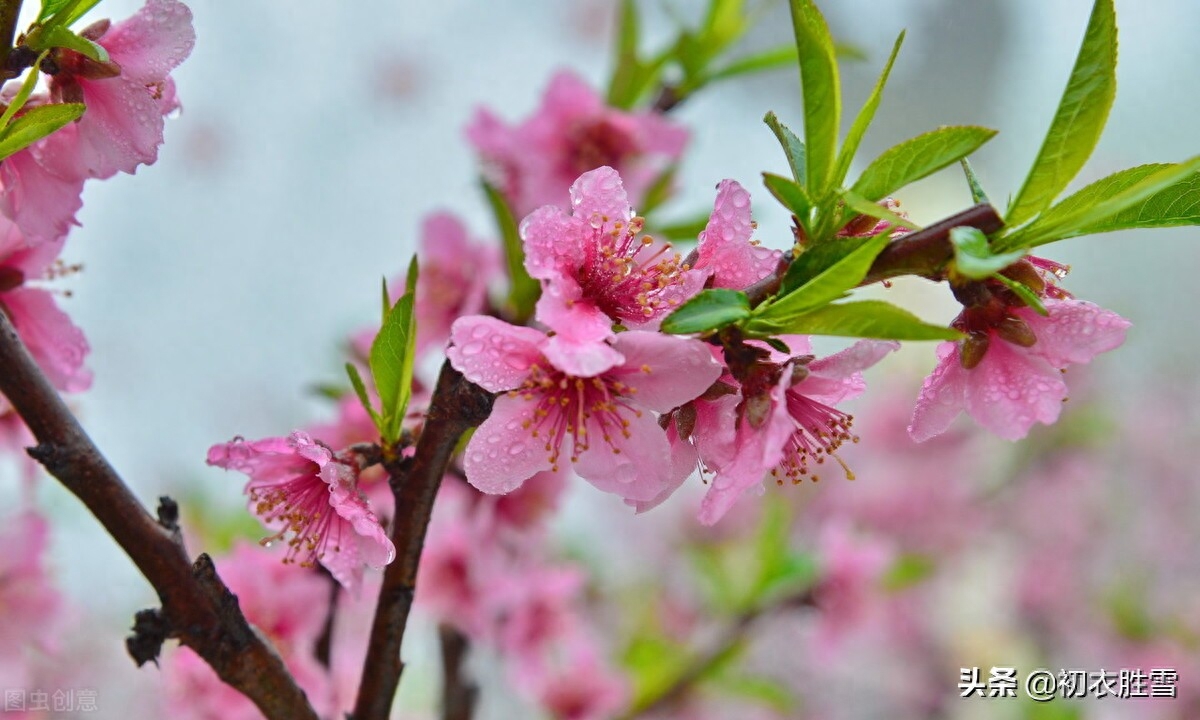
[908,569]
[391,360]
[50,7]
[628,79]
[64,12]
[978,196]
[35,124]
[708,310]
[973,256]
[659,190]
[1145,196]
[758,62]
[791,195]
[919,157]
[1079,120]
[524,290]
[1023,291]
[862,318]
[816,259]
[864,118]
[22,96]
[360,389]
[793,147]
[52,36]
[682,230]
[863,206]
[822,94]
[827,285]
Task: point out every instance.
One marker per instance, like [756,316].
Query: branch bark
[458,691]
[197,608]
[456,406]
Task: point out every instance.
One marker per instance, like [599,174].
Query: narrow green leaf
[659,190]
[822,94]
[793,147]
[410,279]
[360,389]
[708,310]
[623,86]
[816,259]
[1024,292]
[50,7]
[864,118]
[758,62]
[919,157]
[1145,196]
[35,124]
[863,206]
[682,230]
[52,36]
[790,195]
[861,318]
[978,196]
[391,360]
[386,305]
[1079,120]
[524,290]
[827,285]
[63,13]
[973,256]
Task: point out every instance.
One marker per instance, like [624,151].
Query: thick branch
[196,606]
[926,251]
[456,406]
[458,691]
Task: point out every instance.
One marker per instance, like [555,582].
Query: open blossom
[40,192]
[57,345]
[602,422]
[298,488]
[127,97]
[571,133]
[784,427]
[596,270]
[725,250]
[1018,380]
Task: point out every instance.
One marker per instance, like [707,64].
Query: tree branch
[926,251]
[456,406]
[197,608]
[458,691]
[10,10]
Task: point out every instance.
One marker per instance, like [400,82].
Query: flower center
[630,278]
[575,408]
[300,507]
[596,144]
[820,431]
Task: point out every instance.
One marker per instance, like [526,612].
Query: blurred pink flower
[31,608]
[571,133]
[578,687]
[298,488]
[455,273]
[852,567]
[616,444]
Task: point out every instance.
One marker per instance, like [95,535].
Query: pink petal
[568,97]
[551,240]
[1075,331]
[503,453]
[837,378]
[444,240]
[581,359]
[122,128]
[493,354]
[598,198]
[1011,389]
[151,43]
[39,199]
[942,398]
[684,461]
[54,341]
[724,248]
[665,371]
[637,467]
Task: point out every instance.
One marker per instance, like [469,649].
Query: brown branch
[10,11]
[197,608]
[458,691]
[456,406]
[324,647]
[926,251]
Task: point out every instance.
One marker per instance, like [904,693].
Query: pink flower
[615,442]
[299,488]
[537,610]
[573,132]
[53,340]
[454,278]
[287,607]
[785,427]
[580,687]
[597,271]
[456,576]
[853,567]
[30,606]
[726,251]
[1015,385]
[40,192]
[126,99]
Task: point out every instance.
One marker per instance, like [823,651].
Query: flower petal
[637,467]
[942,398]
[503,453]
[53,340]
[153,42]
[1011,389]
[725,249]
[665,371]
[492,353]
[1074,332]
[837,378]
[599,198]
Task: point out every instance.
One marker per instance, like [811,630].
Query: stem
[456,406]
[325,641]
[926,251]
[197,608]
[458,692]
[10,10]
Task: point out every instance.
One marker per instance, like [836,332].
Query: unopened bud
[685,421]
[756,409]
[972,349]
[1016,331]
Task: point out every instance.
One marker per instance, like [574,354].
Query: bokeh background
[220,283]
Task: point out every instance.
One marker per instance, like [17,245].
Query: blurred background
[220,283]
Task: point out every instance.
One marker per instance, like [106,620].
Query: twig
[926,251]
[324,645]
[10,10]
[458,691]
[456,406]
[197,608]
